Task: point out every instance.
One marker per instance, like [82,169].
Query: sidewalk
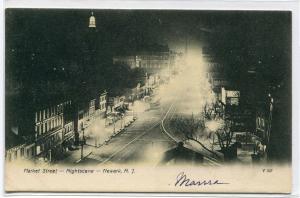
[96,135]
[75,156]
[102,134]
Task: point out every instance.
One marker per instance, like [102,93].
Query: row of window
[154,57]
[47,113]
[102,98]
[48,125]
[20,154]
[126,62]
[102,106]
[68,128]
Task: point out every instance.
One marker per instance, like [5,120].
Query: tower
[92,21]
[88,68]
[90,48]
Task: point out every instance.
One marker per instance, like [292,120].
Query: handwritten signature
[183,180]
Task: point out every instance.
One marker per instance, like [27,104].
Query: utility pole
[50,155]
[271,106]
[114,123]
[212,148]
[81,151]
[83,141]
[83,138]
[121,121]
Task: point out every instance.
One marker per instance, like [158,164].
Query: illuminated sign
[233,94]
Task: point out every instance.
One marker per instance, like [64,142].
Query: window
[46,125]
[22,152]
[49,125]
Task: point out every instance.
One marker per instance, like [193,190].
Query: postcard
[108,100]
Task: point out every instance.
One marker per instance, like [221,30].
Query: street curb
[78,161]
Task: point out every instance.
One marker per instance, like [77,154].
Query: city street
[145,141]
[141,142]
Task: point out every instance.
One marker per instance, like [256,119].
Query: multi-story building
[49,131]
[68,125]
[215,72]
[19,127]
[264,108]
[101,104]
[83,116]
[154,61]
[52,130]
[68,134]
[151,62]
[131,61]
[20,150]
[92,109]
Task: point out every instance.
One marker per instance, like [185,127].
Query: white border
[156,4]
[292,5]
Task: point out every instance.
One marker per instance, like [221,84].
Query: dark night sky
[40,39]
[55,30]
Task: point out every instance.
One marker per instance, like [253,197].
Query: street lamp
[81,150]
[83,137]
[83,140]
[114,123]
[146,83]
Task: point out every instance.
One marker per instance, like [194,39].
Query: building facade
[131,61]
[92,109]
[101,104]
[151,62]
[49,131]
[20,152]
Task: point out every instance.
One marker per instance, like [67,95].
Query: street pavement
[141,143]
